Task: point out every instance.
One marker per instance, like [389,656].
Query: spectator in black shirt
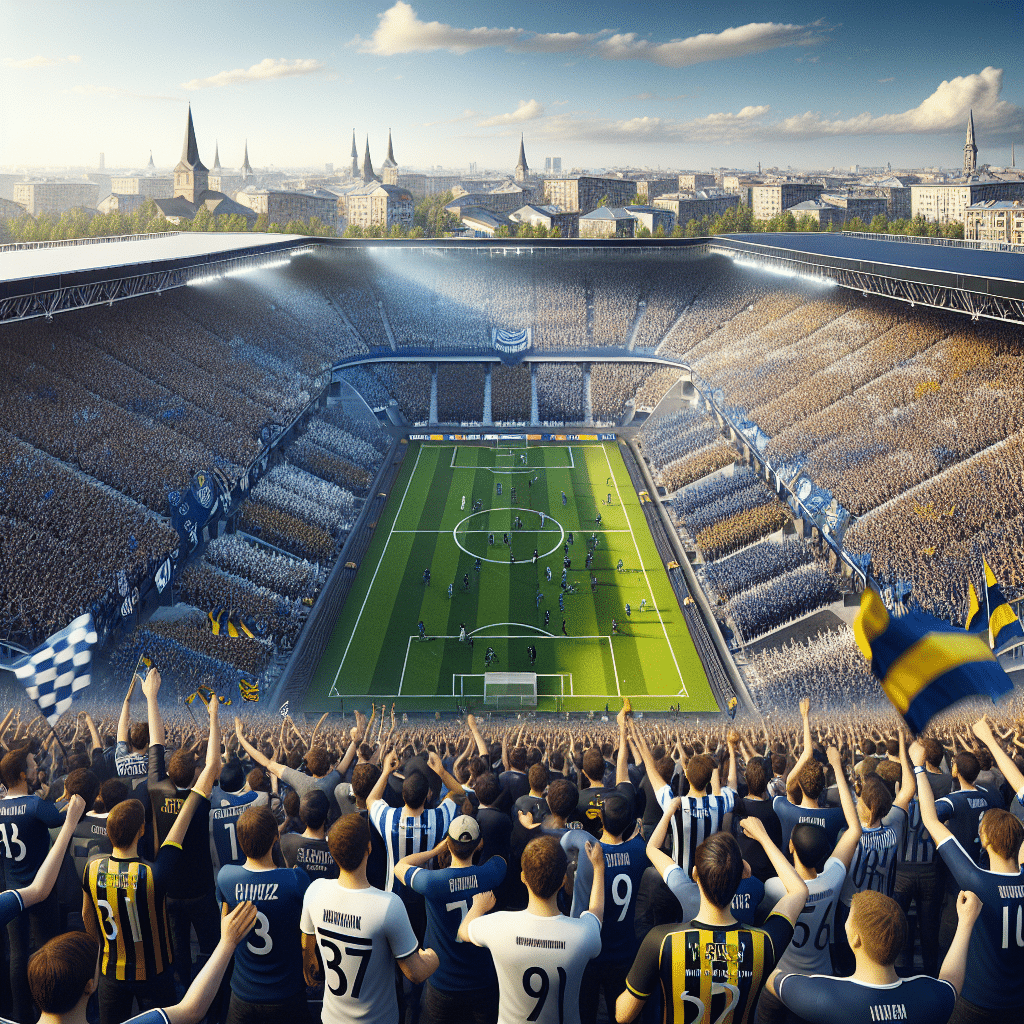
[534,802]
[757,805]
[495,825]
[309,850]
[364,778]
[592,795]
[515,781]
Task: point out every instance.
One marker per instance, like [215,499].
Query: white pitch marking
[369,591]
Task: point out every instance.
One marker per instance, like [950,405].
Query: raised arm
[954,967]
[481,746]
[640,744]
[805,754]
[796,889]
[847,845]
[350,755]
[595,851]
[733,739]
[125,721]
[390,764]
[1003,761]
[316,729]
[925,797]
[622,761]
[151,691]
[907,787]
[658,858]
[204,784]
[94,734]
[274,767]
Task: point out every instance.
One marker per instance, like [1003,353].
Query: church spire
[970,148]
[216,156]
[368,174]
[522,168]
[390,160]
[189,148]
[355,156]
[246,170]
[150,166]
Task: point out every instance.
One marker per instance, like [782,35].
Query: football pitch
[453,504]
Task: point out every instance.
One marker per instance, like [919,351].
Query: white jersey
[808,953]
[697,818]
[360,933]
[877,856]
[540,963]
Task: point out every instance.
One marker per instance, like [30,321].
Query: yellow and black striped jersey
[708,974]
[129,899]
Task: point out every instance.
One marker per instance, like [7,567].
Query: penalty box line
[505,636]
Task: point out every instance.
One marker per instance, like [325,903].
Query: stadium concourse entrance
[511,572]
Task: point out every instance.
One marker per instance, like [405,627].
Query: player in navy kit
[994,986]
[267,982]
[876,931]
[62,976]
[464,987]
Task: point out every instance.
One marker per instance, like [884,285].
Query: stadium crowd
[560,392]
[460,392]
[511,393]
[765,606]
[589,861]
[612,385]
[757,564]
[292,577]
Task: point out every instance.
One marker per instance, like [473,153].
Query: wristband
[198,792]
[918,769]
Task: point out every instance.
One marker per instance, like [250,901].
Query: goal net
[510,689]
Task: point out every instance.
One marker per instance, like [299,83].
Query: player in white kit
[539,953]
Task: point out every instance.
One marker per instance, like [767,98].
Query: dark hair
[138,735]
[59,972]
[811,845]
[364,778]
[933,750]
[811,779]
[544,865]
[699,770]
[593,765]
[563,796]
[182,769]
[719,865]
[778,763]
[892,747]
[349,841]
[965,762]
[517,758]
[891,773]
[258,780]
[125,821]
[617,814]
[318,761]
[113,792]
[487,788]
[538,777]
[1003,832]
[462,850]
[232,778]
[256,830]
[313,808]
[875,796]
[756,777]
[84,783]
[415,789]
[13,765]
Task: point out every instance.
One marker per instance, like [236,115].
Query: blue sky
[599,84]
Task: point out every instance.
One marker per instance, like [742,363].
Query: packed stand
[757,564]
[295,578]
[798,592]
[597,858]
[656,386]
[308,497]
[511,393]
[560,392]
[612,385]
[409,385]
[460,392]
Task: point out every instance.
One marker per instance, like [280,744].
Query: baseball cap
[464,829]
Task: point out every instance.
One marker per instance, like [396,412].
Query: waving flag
[54,672]
[925,665]
[1004,629]
[977,620]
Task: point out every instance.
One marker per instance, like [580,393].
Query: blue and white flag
[53,673]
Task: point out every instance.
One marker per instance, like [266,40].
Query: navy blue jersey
[831,819]
[744,903]
[994,978]
[920,845]
[268,961]
[823,1000]
[11,906]
[876,857]
[449,895]
[225,810]
[624,866]
[25,823]
[961,812]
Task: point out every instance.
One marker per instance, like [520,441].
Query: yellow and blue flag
[977,620]
[1004,629]
[215,615]
[925,665]
[232,625]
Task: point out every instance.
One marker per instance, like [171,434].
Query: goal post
[510,689]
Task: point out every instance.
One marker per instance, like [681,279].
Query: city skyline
[458,86]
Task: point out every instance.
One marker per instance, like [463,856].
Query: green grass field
[375,652]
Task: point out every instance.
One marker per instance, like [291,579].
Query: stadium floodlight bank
[510,689]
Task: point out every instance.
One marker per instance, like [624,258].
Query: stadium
[493,497]
[242,457]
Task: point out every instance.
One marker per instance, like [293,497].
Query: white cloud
[528,110]
[41,62]
[732,42]
[268,69]
[882,81]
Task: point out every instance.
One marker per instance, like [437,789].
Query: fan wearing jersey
[595,769]
[876,932]
[62,976]
[806,783]
[25,821]
[90,838]
[464,987]
[808,953]
[701,812]
[713,968]
[994,985]
[748,895]
[539,953]
[352,935]
[126,896]
[309,850]
[131,755]
[882,840]
[228,801]
[919,880]
[625,861]
[267,982]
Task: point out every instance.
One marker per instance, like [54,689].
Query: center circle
[520,512]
